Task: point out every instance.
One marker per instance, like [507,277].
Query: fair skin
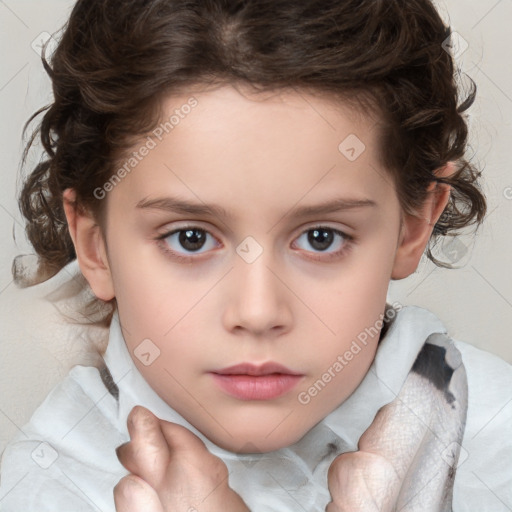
[299,304]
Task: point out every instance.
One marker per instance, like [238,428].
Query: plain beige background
[474,302]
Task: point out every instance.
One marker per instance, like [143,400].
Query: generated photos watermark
[304,397]
[151,143]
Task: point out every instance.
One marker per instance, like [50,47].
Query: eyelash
[347,245]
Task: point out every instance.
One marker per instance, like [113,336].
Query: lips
[252,369]
[247,381]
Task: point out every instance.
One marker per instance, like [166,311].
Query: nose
[259,301]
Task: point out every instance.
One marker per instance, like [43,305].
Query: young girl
[238,182]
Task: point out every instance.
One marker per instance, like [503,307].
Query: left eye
[321,238]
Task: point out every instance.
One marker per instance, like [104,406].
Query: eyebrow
[176,205]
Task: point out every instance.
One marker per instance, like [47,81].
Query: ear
[417,229]
[89,247]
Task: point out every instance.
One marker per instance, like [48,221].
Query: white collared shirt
[65,459]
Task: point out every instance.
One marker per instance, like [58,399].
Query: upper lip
[254,369]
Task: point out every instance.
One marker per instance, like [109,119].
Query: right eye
[191,239]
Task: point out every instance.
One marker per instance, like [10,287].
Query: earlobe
[89,247]
[417,229]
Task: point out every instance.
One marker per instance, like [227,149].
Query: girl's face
[252,231]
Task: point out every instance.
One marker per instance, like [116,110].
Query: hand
[370,479]
[362,482]
[402,461]
[171,470]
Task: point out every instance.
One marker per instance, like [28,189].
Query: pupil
[320,239]
[192,239]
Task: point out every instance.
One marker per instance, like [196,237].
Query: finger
[180,439]
[399,428]
[362,482]
[132,494]
[189,449]
[206,476]
[147,454]
[184,445]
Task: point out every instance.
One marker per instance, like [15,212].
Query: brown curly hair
[118,59]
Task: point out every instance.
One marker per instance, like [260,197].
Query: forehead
[228,142]
[222,100]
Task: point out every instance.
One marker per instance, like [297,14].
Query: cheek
[353,295]
[350,306]
[354,318]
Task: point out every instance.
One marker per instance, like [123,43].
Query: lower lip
[251,387]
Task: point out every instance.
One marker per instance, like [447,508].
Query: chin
[248,441]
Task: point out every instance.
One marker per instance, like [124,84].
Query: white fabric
[38,343]
[64,459]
